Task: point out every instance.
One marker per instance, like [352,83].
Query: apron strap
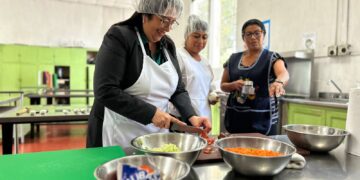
[141,43]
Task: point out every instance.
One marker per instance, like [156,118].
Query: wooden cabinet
[316,115]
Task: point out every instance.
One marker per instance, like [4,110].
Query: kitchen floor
[54,137]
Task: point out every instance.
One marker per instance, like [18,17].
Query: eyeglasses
[256,34]
[167,22]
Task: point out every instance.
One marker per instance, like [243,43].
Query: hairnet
[169,8]
[195,24]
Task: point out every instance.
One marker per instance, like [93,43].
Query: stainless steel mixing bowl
[169,168]
[190,145]
[255,165]
[315,138]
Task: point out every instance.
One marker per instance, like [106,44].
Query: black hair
[253,22]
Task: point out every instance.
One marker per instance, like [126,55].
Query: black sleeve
[275,57]
[111,64]
[180,99]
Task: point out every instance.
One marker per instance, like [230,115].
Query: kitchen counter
[54,114]
[80,164]
[316,102]
[336,164]
[67,164]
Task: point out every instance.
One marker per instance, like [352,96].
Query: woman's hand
[162,119]
[237,85]
[213,98]
[198,121]
[276,88]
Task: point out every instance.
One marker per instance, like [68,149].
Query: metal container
[169,168]
[315,138]
[190,145]
[255,165]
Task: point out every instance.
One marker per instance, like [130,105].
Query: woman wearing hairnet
[253,77]
[196,72]
[136,75]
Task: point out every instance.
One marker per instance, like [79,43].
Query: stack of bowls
[252,165]
[190,145]
[169,168]
[315,138]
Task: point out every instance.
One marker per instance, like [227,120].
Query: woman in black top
[253,77]
[136,75]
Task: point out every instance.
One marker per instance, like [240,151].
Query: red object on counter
[208,139]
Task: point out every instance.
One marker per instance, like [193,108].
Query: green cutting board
[68,164]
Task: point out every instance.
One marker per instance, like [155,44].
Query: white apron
[155,85]
[197,77]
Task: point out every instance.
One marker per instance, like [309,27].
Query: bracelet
[279,81]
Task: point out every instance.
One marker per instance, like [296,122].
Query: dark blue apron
[259,114]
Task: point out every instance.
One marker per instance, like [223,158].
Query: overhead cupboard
[22,66]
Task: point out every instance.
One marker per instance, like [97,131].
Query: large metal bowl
[255,165]
[315,138]
[169,168]
[190,145]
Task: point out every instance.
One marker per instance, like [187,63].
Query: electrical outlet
[332,50]
[344,50]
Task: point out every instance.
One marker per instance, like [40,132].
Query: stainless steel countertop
[336,164]
[316,102]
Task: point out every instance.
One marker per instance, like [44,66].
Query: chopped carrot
[146,168]
[254,152]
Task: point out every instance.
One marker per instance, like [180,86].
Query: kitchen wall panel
[291,19]
[66,23]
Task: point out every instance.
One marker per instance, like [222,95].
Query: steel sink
[334,97]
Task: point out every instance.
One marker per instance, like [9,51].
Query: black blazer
[118,65]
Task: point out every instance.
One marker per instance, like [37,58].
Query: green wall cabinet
[316,115]
[10,53]
[28,75]
[46,55]
[28,54]
[10,76]
[20,66]
[78,56]
[62,56]
[336,118]
[77,82]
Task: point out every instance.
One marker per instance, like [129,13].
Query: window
[221,16]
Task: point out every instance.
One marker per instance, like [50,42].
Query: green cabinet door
[9,77]
[303,114]
[78,56]
[28,54]
[91,71]
[10,53]
[28,75]
[62,56]
[336,118]
[77,82]
[44,67]
[46,55]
